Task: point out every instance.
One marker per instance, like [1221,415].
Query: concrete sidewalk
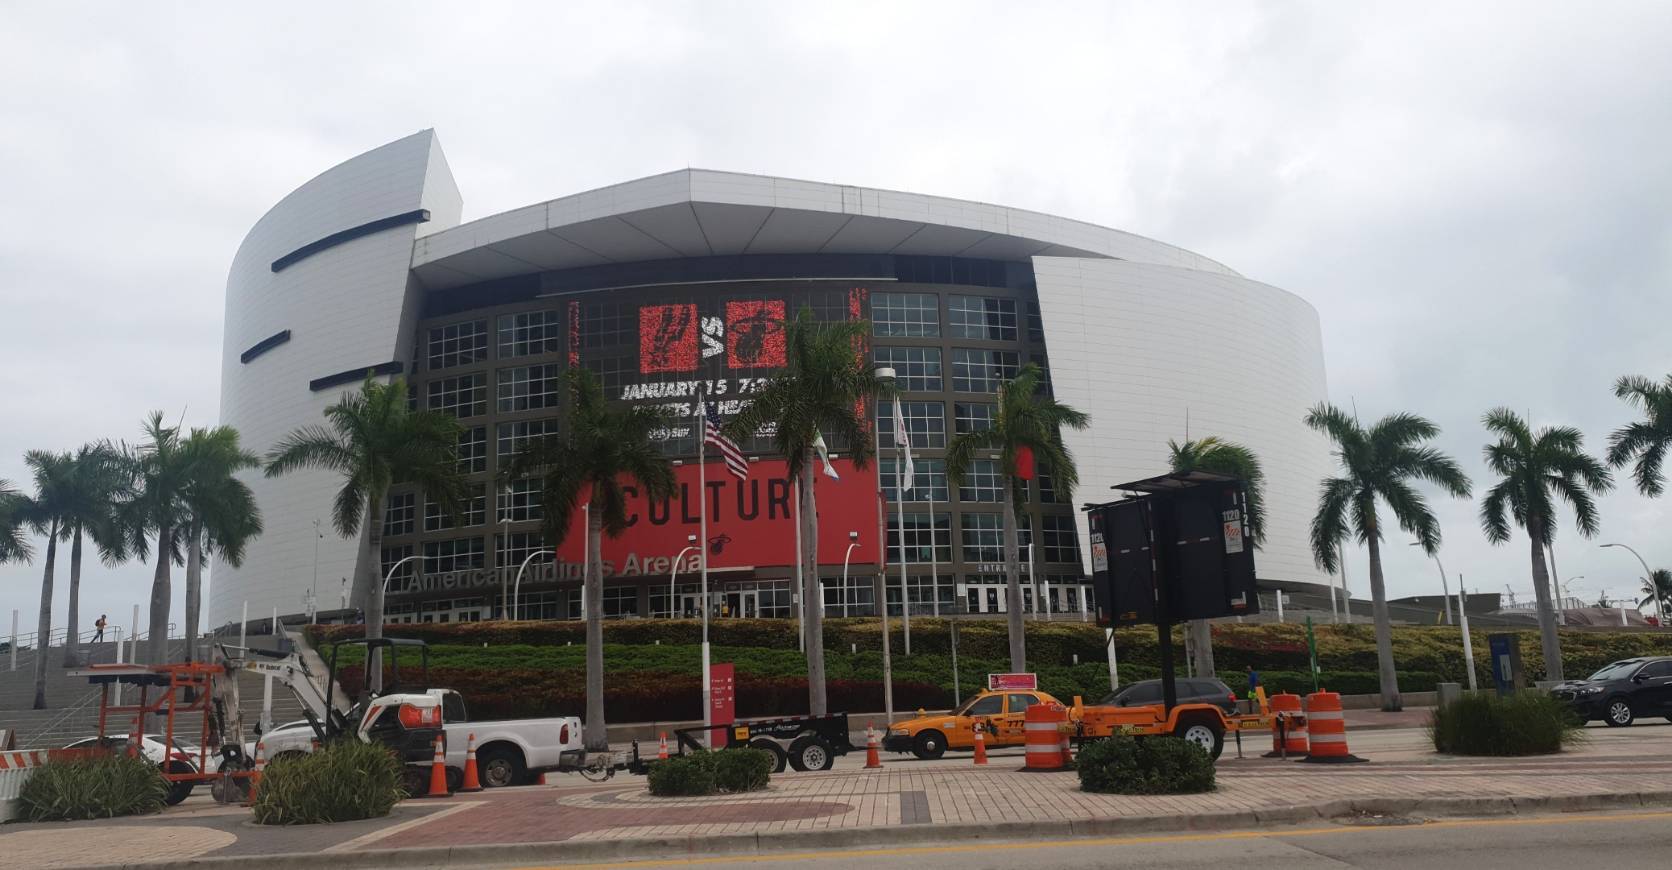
[905,802]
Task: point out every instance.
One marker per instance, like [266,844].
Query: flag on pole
[824,457]
[711,434]
[902,440]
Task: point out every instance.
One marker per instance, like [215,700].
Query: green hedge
[702,773]
[344,781]
[1523,723]
[97,787]
[1144,765]
[1268,648]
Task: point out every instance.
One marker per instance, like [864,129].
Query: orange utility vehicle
[1000,713]
[1202,724]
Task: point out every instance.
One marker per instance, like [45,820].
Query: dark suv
[1191,690]
[1622,691]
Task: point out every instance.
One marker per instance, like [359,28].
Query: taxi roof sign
[1005,682]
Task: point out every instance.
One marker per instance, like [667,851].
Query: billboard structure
[1178,549]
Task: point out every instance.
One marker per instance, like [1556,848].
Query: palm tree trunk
[72,643]
[1013,585]
[1391,701]
[1548,639]
[156,649]
[43,633]
[1201,646]
[595,733]
[812,592]
[194,579]
[368,583]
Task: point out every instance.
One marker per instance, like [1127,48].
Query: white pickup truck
[508,751]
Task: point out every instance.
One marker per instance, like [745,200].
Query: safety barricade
[1288,728]
[15,770]
[1042,725]
[1329,729]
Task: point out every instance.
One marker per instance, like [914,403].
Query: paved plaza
[936,799]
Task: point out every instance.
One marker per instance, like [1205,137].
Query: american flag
[711,434]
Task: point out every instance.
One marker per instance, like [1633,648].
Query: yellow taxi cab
[1000,713]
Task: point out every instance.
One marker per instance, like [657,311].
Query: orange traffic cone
[438,771]
[980,745]
[872,760]
[471,783]
[260,768]
[662,753]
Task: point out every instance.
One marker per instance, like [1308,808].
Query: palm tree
[1217,455]
[1536,466]
[44,512]
[221,513]
[13,547]
[1657,590]
[154,508]
[822,388]
[1028,420]
[606,448]
[96,482]
[1647,440]
[1379,463]
[374,440]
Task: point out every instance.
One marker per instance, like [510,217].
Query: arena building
[666,283]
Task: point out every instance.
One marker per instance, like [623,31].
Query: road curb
[905,835]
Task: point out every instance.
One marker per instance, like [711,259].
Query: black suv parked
[1192,690]
[1622,691]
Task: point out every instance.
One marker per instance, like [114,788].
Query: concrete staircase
[73,703]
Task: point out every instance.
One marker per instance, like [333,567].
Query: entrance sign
[1012,682]
[722,705]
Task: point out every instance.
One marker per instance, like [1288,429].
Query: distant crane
[1511,594]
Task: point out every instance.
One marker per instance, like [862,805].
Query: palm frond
[1329,524]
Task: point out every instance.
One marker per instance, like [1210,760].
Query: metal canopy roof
[1174,482]
[697,213]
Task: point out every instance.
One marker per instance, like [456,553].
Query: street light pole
[1649,578]
[673,595]
[374,664]
[1444,586]
[853,541]
[516,590]
[1565,591]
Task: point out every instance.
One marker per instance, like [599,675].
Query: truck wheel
[415,780]
[179,791]
[500,767]
[779,759]
[929,745]
[811,753]
[1619,713]
[1199,732]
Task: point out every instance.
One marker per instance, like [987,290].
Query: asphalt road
[1612,840]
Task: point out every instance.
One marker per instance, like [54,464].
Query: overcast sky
[1474,197]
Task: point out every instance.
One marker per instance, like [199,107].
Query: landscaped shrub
[685,775]
[344,781]
[743,769]
[1485,723]
[1145,765]
[96,787]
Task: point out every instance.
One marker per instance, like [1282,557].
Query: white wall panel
[344,307]
[1139,345]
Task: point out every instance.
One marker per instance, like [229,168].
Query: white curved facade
[1139,332]
[344,308]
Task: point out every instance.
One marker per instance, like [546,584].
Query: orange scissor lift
[170,692]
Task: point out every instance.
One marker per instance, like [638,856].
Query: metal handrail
[79,705]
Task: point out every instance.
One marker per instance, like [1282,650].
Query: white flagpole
[702,537]
[934,558]
[900,523]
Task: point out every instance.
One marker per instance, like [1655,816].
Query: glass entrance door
[743,604]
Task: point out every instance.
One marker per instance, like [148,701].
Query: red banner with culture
[750,522]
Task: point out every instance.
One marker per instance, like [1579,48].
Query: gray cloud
[1472,197]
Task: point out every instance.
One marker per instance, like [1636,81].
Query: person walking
[1253,683]
[98,628]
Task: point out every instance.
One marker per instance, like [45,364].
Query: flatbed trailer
[813,742]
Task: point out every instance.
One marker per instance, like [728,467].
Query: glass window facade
[400,513]
[462,396]
[982,317]
[982,371]
[922,532]
[458,344]
[473,450]
[928,479]
[457,554]
[514,437]
[905,315]
[973,416]
[982,536]
[982,482]
[528,388]
[916,369]
[1058,540]
[530,333]
[925,423]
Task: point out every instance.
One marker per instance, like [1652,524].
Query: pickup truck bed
[513,751]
